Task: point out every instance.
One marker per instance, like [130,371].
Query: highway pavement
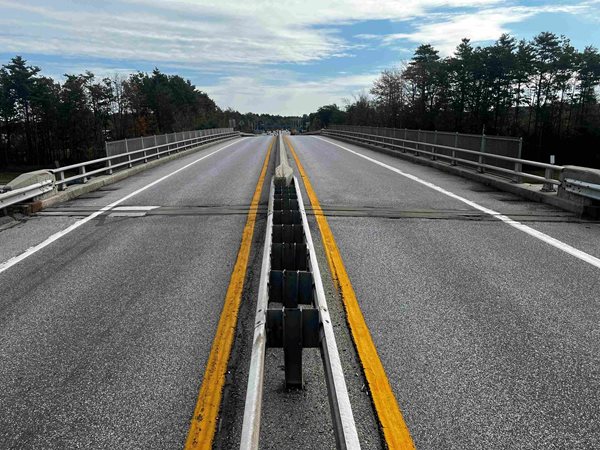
[105,333]
[489,336]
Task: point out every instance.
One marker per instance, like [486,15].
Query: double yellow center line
[204,421]
[394,428]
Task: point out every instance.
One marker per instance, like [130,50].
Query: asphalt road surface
[489,336]
[104,334]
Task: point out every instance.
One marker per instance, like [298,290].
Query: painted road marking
[513,223]
[32,250]
[204,421]
[135,208]
[131,211]
[127,214]
[395,431]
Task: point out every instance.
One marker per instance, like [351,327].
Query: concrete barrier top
[29,178]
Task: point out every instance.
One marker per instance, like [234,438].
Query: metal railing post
[157,149]
[433,157]
[418,141]
[109,162]
[481,152]
[82,172]
[404,143]
[518,166]
[453,160]
[62,186]
[128,154]
[549,187]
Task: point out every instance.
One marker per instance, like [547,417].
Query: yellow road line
[204,421]
[395,431]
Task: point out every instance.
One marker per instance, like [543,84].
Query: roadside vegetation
[543,90]
[44,122]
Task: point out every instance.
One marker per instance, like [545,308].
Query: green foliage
[543,90]
[43,121]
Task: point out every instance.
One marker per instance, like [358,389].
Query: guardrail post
[404,143]
[62,186]
[82,172]
[157,149]
[453,160]
[108,163]
[128,154]
[433,157]
[549,187]
[518,166]
[481,152]
[418,141]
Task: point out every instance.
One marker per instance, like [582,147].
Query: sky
[267,56]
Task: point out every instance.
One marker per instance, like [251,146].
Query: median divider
[292,312]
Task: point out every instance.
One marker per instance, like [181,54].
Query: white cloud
[483,25]
[294,97]
[244,41]
[195,32]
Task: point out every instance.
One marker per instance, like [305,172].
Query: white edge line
[32,250]
[135,208]
[586,257]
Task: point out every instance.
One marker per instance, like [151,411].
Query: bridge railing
[435,145]
[138,151]
[10,197]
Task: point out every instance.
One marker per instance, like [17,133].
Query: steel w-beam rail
[341,411]
[25,193]
[591,190]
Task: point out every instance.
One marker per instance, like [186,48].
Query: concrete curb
[96,183]
[489,180]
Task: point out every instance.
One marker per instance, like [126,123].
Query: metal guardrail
[292,314]
[435,152]
[496,145]
[11,197]
[110,163]
[123,146]
[583,188]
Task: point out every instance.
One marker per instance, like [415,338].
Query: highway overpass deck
[485,315]
[105,333]
[489,336]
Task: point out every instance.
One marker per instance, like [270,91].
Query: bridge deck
[488,334]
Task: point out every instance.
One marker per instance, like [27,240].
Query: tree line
[44,122]
[543,90]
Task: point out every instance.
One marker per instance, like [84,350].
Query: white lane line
[127,214]
[32,250]
[135,208]
[513,223]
